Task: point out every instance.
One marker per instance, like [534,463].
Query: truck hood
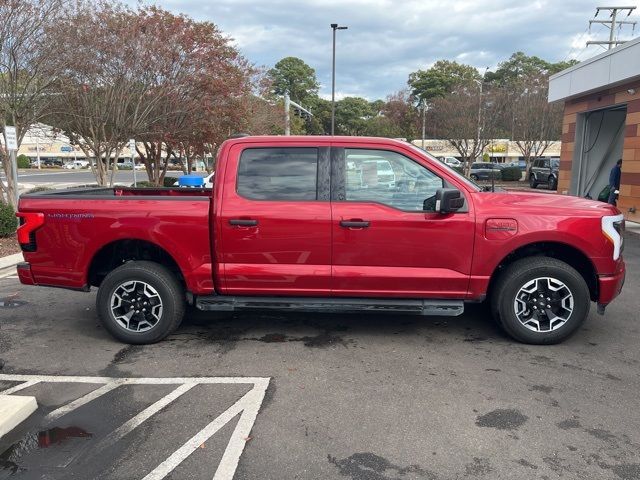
[544,203]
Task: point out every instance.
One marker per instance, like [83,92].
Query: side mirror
[448,200]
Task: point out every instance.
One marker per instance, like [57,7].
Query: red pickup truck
[326,224]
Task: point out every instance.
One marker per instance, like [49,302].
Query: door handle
[243,223]
[354,223]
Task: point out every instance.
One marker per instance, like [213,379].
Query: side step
[446,308]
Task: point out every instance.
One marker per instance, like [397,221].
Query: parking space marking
[20,386]
[147,413]
[247,407]
[69,407]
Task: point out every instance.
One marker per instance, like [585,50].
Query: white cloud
[387,39]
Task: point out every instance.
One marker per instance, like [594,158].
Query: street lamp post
[334,27]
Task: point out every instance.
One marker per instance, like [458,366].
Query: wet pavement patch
[34,441]
[541,388]
[479,467]
[321,340]
[568,424]
[10,303]
[368,466]
[502,419]
[524,463]
[601,434]
[273,338]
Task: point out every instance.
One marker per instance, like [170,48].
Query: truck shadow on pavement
[475,325]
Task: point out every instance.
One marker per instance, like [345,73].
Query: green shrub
[169,181]
[510,174]
[485,157]
[8,220]
[40,188]
[23,161]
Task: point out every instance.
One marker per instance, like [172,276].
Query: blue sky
[387,40]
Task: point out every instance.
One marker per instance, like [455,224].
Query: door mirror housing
[448,200]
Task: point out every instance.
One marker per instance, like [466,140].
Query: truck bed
[85,224]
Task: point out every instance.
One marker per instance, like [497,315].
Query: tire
[532,181]
[552,183]
[519,279]
[152,283]
[474,177]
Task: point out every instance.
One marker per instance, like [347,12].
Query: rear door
[388,241]
[274,231]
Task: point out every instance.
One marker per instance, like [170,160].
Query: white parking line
[147,413]
[247,407]
[19,387]
[69,407]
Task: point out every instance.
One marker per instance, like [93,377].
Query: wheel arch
[120,251]
[558,250]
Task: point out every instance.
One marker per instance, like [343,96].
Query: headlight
[613,229]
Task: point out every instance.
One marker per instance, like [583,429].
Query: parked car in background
[544,171]
[485,170]
[125,165]
[76,165]
[451,161]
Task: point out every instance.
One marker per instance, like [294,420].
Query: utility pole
[334,27]
[612,24]
[287,117]
[424,121]
[297,109]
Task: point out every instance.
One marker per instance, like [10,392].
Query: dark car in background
[544,171]
[484,171]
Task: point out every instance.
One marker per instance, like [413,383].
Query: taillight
[29,223]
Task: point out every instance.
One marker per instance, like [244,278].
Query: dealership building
[601,124]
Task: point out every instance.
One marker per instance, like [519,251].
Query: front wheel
[553,183]
[140,302]
[474,177]
[532,181]
[540,300]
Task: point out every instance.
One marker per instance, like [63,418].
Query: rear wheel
[474,177]
[540,300]
[140,302]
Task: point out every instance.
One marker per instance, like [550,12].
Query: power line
[611,25]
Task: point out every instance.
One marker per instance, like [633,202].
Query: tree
[535,122]
[441,79]
[172,83]
[291,75]
[352,115]
[521,66]
[396,118]
[458,121]
[27,71]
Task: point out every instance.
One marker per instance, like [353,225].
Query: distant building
[499,150]
[601,124]
[42,141]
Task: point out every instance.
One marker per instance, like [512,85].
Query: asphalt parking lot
[302,396]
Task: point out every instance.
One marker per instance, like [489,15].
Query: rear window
[278,173]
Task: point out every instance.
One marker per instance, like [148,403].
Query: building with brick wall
[601,124]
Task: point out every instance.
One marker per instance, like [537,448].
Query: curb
[14,410]
[8,264]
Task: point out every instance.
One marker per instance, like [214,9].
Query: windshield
[471,184]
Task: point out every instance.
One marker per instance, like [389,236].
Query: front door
[273,230]
[388,241]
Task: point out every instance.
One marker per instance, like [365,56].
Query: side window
[546,163]
[389,178]
[278,173]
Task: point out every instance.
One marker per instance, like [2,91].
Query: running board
[446,308]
